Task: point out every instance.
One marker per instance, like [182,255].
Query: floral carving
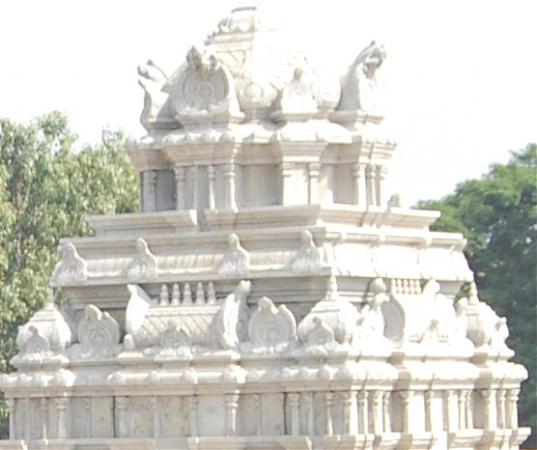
[71,268]
[144,264]
[98,333]
[270,326]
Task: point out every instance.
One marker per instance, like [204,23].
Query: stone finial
[144,265]
[71,268]
[236,261]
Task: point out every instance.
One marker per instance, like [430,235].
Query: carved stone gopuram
[267,295]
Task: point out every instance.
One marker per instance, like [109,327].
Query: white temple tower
[268,295]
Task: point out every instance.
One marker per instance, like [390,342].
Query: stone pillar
[231,404]
[377,411]
[428,410]
[258,412]
[387,412]
[490,416]
[468,415]
[211,174]
[230,201]
[10,402]
[61,407]
[405,398]
[314,170]
[27,420]
[502,416]
[123,428]
[512,409]
[348,408]
[450,423]
[380,180]
[194,415]
[358,175]
[329,400]
[193,183]
[87,410]
[306,403]
[156,416]
[150,190]
[293,404]
[287,169]
[370,175]
[180,197]
[363,419]
[461,410]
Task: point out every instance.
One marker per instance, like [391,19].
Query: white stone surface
[268,295]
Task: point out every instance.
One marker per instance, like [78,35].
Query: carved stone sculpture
[71,268]
[270,326]
[309,257]
[98,333]
[156,112]
[226,326]
[236,261]
[36,343]
[144,264]
[360,83]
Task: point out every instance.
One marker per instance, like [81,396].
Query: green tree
[498,216]
[46,188]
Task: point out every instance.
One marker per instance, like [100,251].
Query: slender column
[194,415]
[502,416]
[377,411]
[180,200]
[293,403]
[259,418]
[329,400]
[231,405]
[61,406]
[123,428]
[370,175]
[287,169]
[469,418]
[462,410]
[363,419]
[347,405]
[358,175]
[10,402]
[280,408]
[306,402]
[405,398]
[193,183]
[140,186]
[386,412]
[211,176]
[380,180]
[449,412]
[314,170]
[156,416]
[150,184]
[489,395]
[28,420]
[512,410]
[229,186]
[87,409]
[428,410]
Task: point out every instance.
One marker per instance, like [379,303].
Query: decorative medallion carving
[270,325]
[98,333]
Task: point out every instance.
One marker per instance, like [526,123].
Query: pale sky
[461,75]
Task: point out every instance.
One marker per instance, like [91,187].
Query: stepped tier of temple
[268,295]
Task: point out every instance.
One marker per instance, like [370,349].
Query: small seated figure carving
[297,96]
[174,341]
[144,264]
[98,333]
[71,268]
[320,334]
[36,343]
[236,261]
[308,259]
